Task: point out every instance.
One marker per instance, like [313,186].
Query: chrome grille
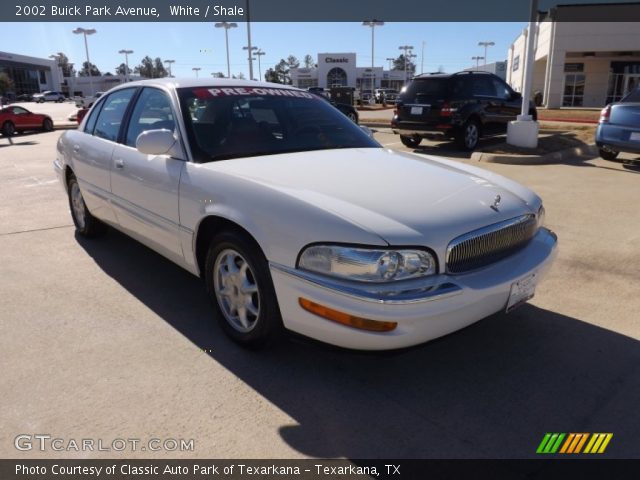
[489,244]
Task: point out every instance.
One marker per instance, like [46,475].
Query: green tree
[271,76]
[218,75]
[63,63]
[86,67]
[158,69]
[6,84]
[398,64]
[145,69]
[308,61]
[122,69]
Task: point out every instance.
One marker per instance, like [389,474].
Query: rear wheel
[353,117]
[240,286]
[47,125]
[86,224]
[608,154]
[8,129]
[469,135]
[411,142]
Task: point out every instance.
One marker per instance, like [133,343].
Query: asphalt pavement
[105,339]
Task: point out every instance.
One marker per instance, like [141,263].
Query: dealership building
[340,70]
[579,64]
[30,74]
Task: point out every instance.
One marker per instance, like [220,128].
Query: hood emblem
[496,203]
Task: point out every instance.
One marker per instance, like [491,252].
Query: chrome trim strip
[375,293]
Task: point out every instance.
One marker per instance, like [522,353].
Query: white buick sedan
[297,219]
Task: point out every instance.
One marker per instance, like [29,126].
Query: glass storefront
[26,78]
[623,77]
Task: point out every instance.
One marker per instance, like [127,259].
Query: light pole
[422,59]
[477,59]
[126,63]
[259,54]
[390,60]
[170,62]
[196,69]
[249,47]
[227,26]
[485,45]
[250,50]
[407,51]
[85,32]
[372,24]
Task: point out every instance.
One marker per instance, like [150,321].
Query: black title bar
[318,11]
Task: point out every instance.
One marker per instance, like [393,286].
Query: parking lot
[105,339]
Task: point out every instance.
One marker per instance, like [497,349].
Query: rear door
[422,100]
[145,187]
[484,92]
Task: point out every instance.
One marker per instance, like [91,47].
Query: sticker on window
[241,91]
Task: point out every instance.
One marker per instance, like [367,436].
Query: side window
[502,91]
[152,112]
[110,116]
[483,87]
[91,121]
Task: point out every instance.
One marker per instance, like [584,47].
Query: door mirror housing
[156,142]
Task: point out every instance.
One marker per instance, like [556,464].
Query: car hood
[405,199]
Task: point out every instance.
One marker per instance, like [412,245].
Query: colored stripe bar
[556,445]
[608,437]
[582,442]
[567,443]
[591,442]
[599,440]
[544,441]
[550,443]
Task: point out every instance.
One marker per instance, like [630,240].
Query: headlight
[540,216]
[367,265]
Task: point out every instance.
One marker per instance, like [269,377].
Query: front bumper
[423,310]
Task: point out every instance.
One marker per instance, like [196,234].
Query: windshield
[225,123]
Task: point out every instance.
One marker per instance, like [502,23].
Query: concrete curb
[376,124]
[553,157]
[65,126]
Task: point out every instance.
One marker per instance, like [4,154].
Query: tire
[353,117]
[411,142]
[41,100]
[234,263]
[60,100]
[86,224]
[8,129]
[468,136]
[47,125]
[608,154]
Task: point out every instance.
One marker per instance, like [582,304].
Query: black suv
[463,106]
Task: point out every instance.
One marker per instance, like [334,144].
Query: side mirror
[155,142]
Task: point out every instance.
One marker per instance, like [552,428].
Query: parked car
[24,97]
[348,110]
[297,219]
[86,102]
[49,96]
[319,91]
[18,119]
[464,106]
[389,95]
[619,127]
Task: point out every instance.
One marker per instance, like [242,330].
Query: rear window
[633,96]
[425,90]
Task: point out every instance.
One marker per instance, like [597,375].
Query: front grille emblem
[496,203]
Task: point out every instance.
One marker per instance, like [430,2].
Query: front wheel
[8,129]
[608,154]
[353,117]
[47,125]
[468,136]
[86,224]
[411,142]
[240,286]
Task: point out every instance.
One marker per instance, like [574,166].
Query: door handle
[119,163]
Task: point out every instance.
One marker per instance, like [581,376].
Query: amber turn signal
[346,319]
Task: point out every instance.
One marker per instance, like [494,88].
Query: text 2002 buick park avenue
[297,219]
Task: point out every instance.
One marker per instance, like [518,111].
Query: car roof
[202,82]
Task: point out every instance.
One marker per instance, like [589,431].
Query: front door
[145,187]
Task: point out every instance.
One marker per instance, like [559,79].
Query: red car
[18,119]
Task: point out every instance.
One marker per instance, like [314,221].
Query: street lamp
[390,60]
[85,32]
[485,45]
[407,51]
[477,59]
[170,62]
[373,24]
[250,50]
[196,69]
[126,63]
[259,54]
[227,26]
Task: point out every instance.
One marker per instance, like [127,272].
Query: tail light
[447,110]
[605,114]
